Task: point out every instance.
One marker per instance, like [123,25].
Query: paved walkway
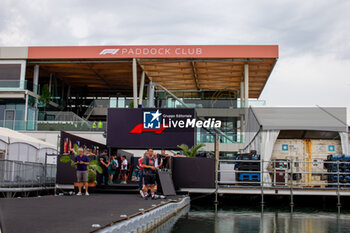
[68,213]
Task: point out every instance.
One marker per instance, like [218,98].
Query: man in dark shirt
[81,161]
[164,157]
[103,162]
[148,174]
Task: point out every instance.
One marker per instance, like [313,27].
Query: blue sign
[284,147]
[331,148]
[151,120]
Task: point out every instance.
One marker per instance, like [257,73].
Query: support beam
[242,94]
[62,92]
[68,91]
[26,110]
[68,95]
[217,156]
[50,82]
[246,85]
[142,86]
[36,79]
[150,95]
[134,81]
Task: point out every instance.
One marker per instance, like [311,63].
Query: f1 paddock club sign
[153,51]
[154,128]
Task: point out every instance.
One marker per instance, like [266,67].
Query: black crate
[249,167]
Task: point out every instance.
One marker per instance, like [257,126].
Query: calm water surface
[228,219]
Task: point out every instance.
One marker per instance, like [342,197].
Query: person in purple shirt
[82,161]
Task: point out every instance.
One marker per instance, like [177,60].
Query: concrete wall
[13,52]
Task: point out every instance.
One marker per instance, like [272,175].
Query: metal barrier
[285,174]
[15,174]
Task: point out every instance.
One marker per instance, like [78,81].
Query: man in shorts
[82,161]
[124,169]
[149,177]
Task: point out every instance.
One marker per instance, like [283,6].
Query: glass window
[121,102]
[113,102]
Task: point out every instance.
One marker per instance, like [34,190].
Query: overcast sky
[313,36]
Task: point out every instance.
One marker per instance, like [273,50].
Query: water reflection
[169,224]
[265,221]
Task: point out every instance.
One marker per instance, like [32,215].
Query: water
[208,218]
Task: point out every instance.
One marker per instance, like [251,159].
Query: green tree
[45,98]
[190,152]
[131,104]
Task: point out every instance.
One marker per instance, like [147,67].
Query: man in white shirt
[124,169]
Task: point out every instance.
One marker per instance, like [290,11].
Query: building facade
[84,81]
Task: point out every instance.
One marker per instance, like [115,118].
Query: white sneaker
[87,194]
[79,194]
[142,194]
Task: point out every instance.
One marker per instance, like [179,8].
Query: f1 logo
[109,51]
[151,120]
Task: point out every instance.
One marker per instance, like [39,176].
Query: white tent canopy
[263,126]
[21,147]
[301,118]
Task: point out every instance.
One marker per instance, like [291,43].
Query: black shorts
[123,172]
[149,179]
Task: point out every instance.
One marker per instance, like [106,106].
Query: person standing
[82,161]
[100,125]
[139,166]
[124,169]
[166,158]
[112,168]
[158,161]
[148,174]
[103,162]
[158,164]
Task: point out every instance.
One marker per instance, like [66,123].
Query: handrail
[292,175]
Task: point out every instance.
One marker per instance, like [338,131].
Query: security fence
[26,174]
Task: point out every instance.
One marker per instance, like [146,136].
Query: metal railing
[282,174]
[18,85]
[89,110]
[71,126]
[198,103]
[16,174]
[64,116]
[54,125]
[19,124]
[251,103]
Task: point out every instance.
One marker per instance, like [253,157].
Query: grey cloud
[316,28]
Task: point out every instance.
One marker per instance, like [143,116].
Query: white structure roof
[10,136]
[300,118]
